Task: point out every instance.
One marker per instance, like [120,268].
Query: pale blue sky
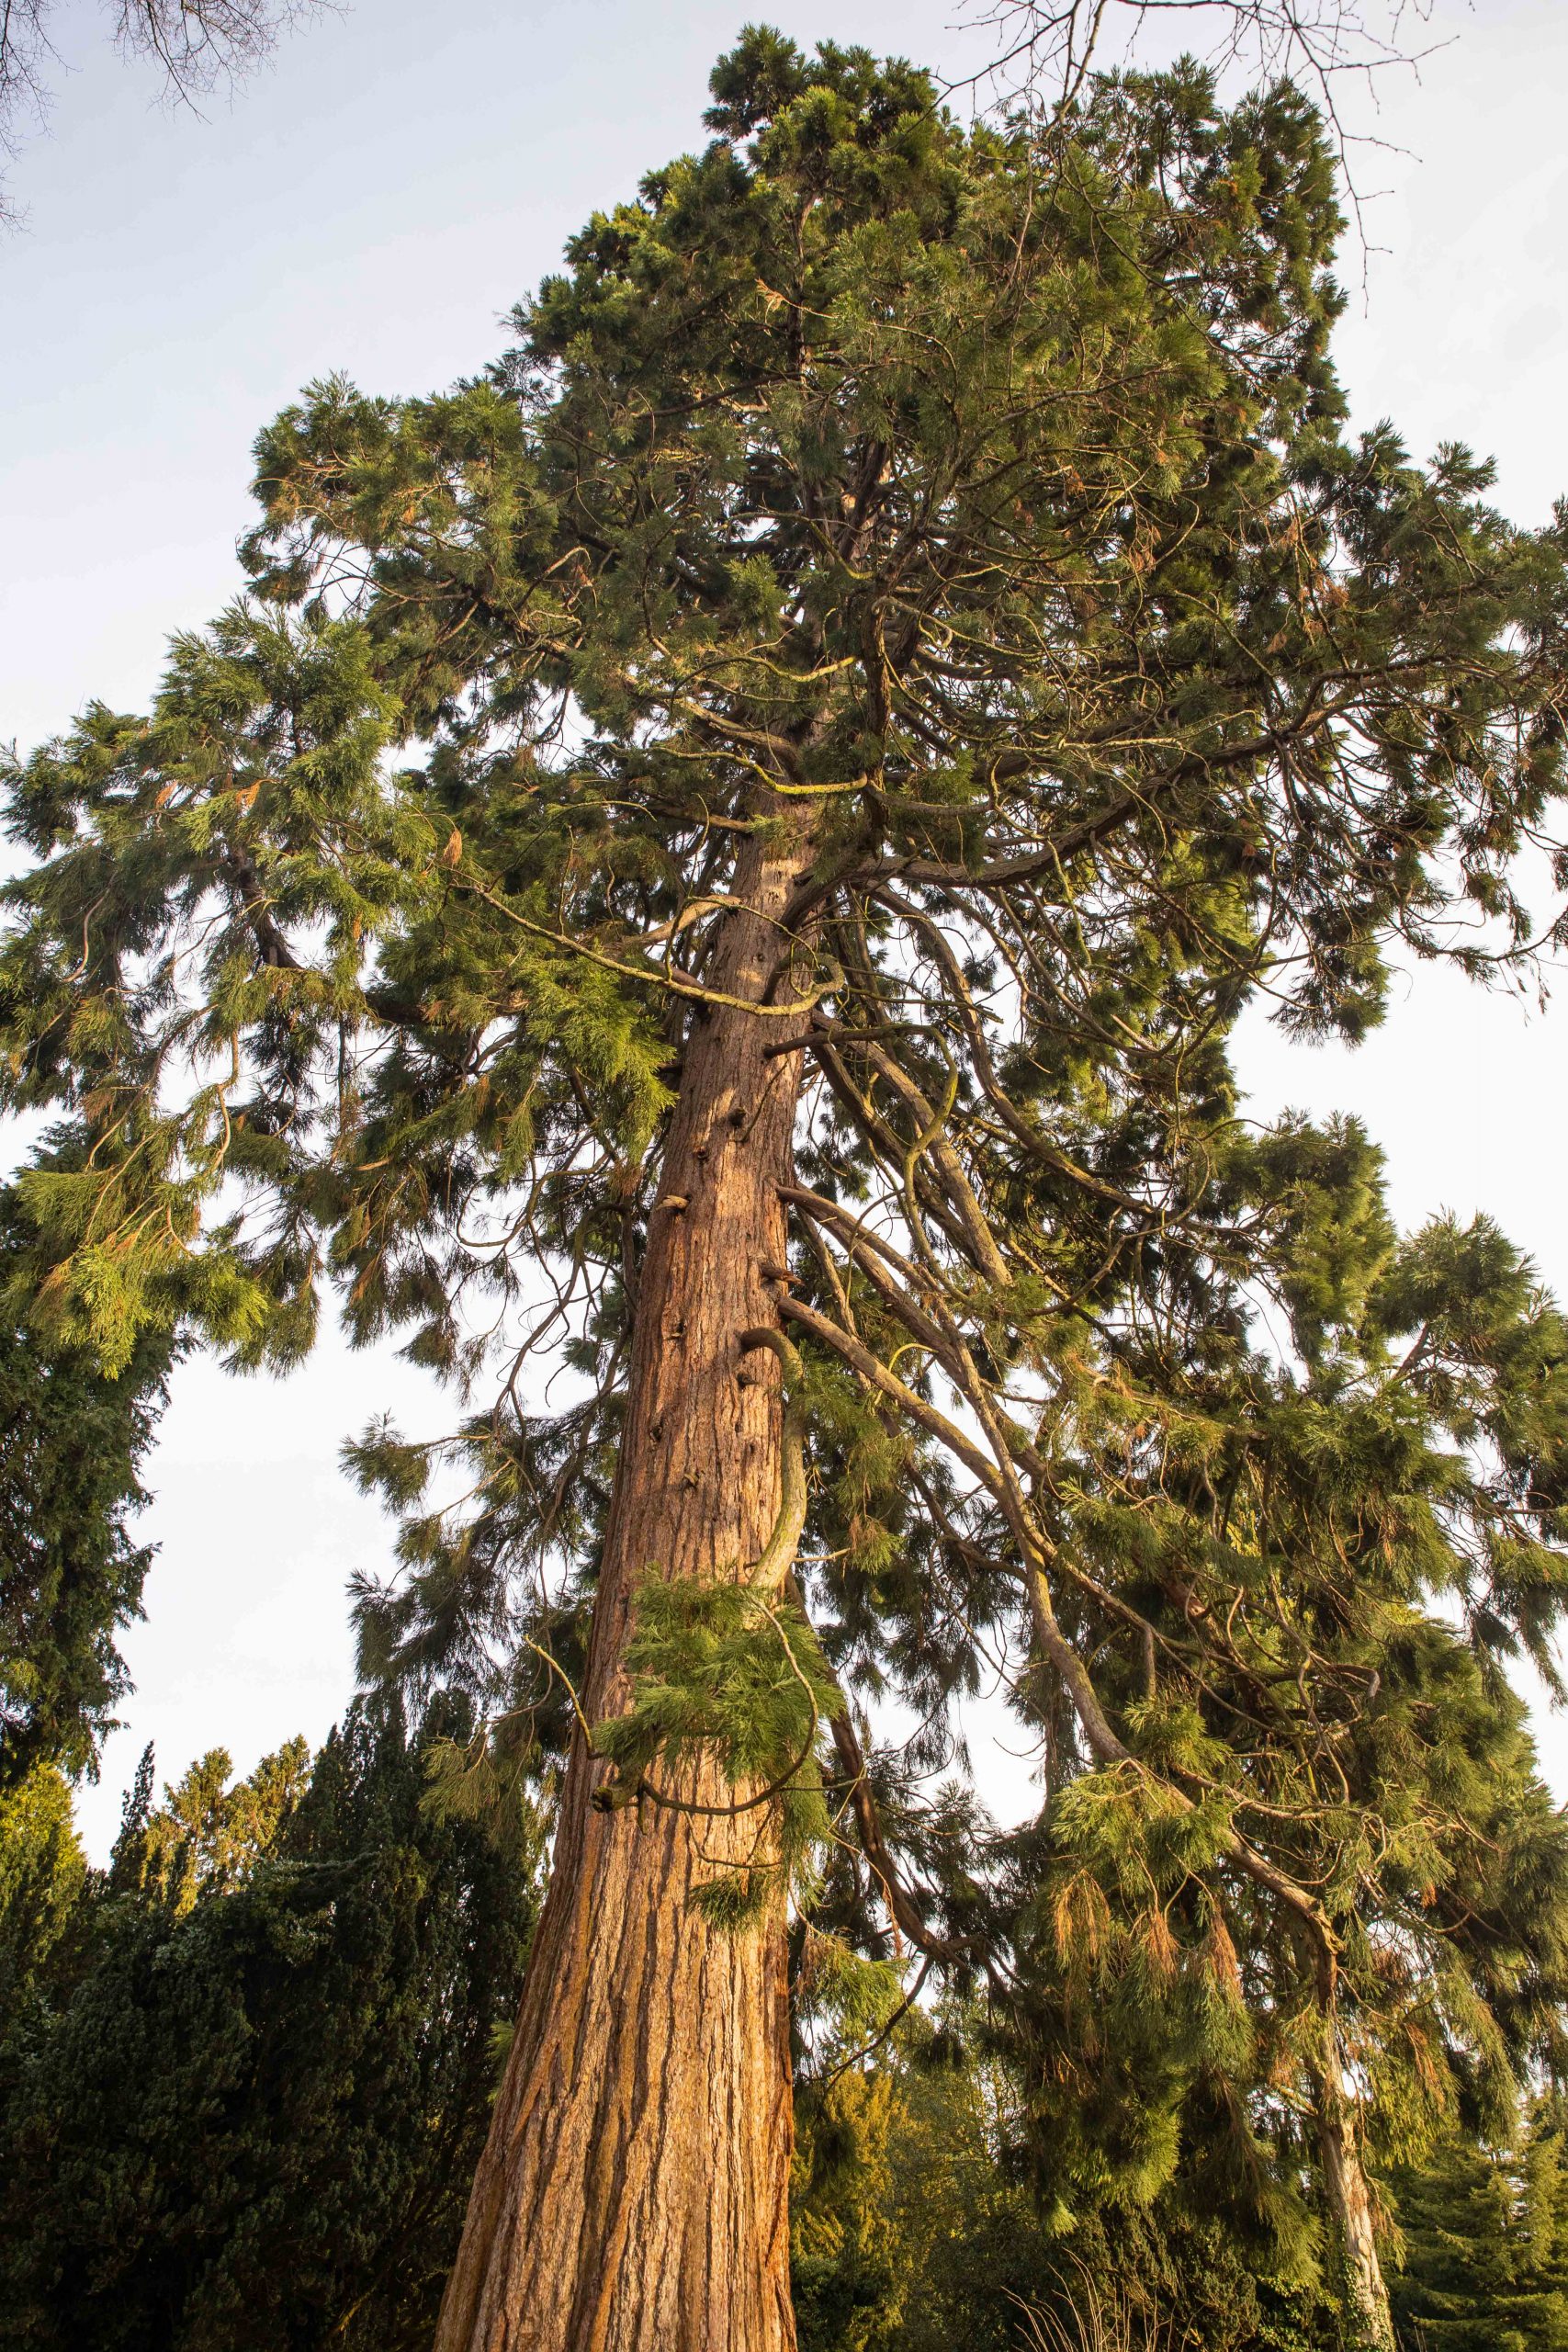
[374,203]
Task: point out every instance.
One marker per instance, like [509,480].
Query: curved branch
[909,1918]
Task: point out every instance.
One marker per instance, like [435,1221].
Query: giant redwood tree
[723,855]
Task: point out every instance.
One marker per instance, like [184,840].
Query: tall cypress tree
[72,1442]
[731,844]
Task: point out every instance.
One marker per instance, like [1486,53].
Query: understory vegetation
[245,2071]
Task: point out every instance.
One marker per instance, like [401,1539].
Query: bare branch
[199,46]
[1336,50]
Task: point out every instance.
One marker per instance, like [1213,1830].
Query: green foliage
[727,1668]
[1371,1509]
[244,2097]
[71,1440]
[914,2231]
[41,1875]
[207,1836]
[906,2231]
[1484,2265]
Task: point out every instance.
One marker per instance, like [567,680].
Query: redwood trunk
[632,2195]
[1351,2207]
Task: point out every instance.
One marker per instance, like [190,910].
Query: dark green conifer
[1482,2230]
[72,1442]
[242,2099]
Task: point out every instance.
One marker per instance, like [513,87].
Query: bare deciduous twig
[199,45]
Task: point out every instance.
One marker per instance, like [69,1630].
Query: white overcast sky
[374,203]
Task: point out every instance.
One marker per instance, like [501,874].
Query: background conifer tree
[246,2082]
[72,1442]
[1403,1458]
[730,846]
[1482,2243]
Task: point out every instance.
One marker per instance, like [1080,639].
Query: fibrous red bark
[634,2191]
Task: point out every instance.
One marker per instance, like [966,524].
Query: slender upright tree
[71,1443]
[730,845]
[1483,2242]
